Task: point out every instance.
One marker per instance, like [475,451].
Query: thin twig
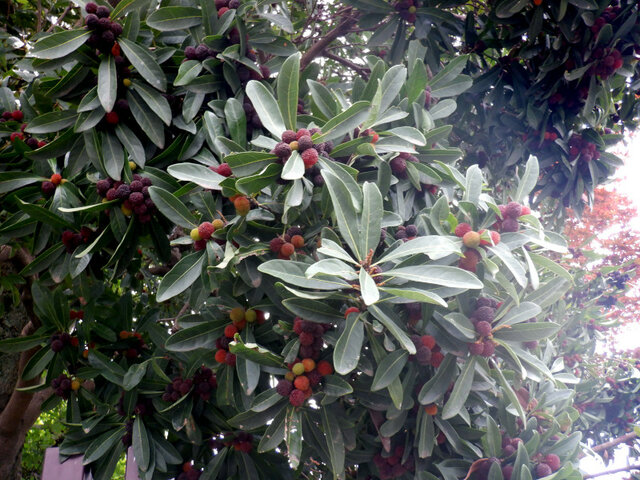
[362,71]
[628,468]
[60,18]
[614,442]
[318,47]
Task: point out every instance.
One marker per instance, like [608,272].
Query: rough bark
[18,410]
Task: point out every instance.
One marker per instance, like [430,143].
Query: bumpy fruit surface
[298,368]
[237,314]
[243,205]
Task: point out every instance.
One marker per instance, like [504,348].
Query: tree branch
[614,442]
[318,47]
[359,69]
[628,468]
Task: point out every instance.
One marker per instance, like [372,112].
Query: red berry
[351,310]
[224,169]
[17,115]
[428,341]
[296,398]
[112,118]
[462,229]
[324,368]
[56,178]
[205,230]
[310,157]
[287,250]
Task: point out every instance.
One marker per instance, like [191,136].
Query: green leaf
[391,84]
[102,444]
[52,122]
[344,122]
[368,288]
[287,90]
[196,173]
[461,390]
[371,218]
[473,185]
[415,294]
[502,251]
[20,344]
[45,216]
[396,330]
[134,375]
[323,98]
[345,213]
[293,168]
[293,435]
[125,6]
[236,121]
[529,179]
[294,273]
[109,369]
[203,335]
[265,400]
[312,310]
[266,107]
[248,374]
[255,183]
[37,364]
[248,163]
[140,442]
[181,276]
[335,442]
[13,180]
[347,350]
[335,386]
[131,143]
[520,313]
[172,208]
[274,434]
[255,353]
[155,101]
[149,122]
[144,62]
[439,383]
[61,44]
[187,72]
[107,83]
[113,155]
[434,246]
[446,276]
[389,369]
[168,19]
[526,332]
[410,134]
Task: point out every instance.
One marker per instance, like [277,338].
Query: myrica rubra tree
[280,240]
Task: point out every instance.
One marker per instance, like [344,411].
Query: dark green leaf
[181,276]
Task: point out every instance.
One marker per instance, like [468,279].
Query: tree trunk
[18,410]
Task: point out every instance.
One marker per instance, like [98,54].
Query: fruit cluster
[399,164]
[482,317]
[63,386]
[135,344]
[427,351]
[579,147]
[310,337]
[201,52]
[253,120]
[72,240]
[224,5]
[135,196]
[607,16]
[302,142]
[406,233]
[104,30]
[203,233]
[48,187]
[299,382]
[407,9]
[239,319]
[391,466]
[286,245]
[61,340]
[8,116]
[510,214]
[607,62]
[204,381]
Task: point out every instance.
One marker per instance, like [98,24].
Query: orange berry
[230,331]
[124,334]
[217,224]
[428,341]
[243,205]
[431,409]
[374,136]
[220,356]
[56,179]
[537,3]
[309,365]
[237,314]
[324,368]
[75,385]
[126,82]
[301,382]
[85,353]
[471,239]
[297,241]
[287,249]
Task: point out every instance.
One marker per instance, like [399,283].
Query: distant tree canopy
[285,240]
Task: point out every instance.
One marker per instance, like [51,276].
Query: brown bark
[628,468]
[317,49]
[614,442]
[18,410]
